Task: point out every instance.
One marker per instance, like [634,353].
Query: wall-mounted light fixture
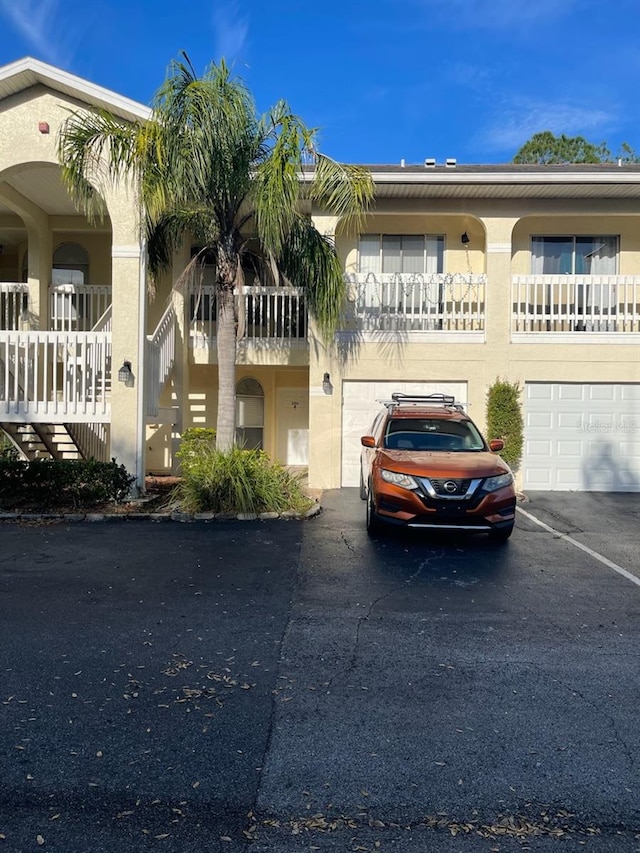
[464,239]
[125,375]
[327,387]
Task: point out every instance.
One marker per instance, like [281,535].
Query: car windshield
[432,434]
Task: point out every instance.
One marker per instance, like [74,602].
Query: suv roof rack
[446,400]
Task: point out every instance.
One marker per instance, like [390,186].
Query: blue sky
[381,79]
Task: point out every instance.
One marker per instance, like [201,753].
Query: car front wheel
[501,535]
[373,525]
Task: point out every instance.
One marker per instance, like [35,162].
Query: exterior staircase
[43,441]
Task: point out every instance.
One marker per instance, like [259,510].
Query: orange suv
[425,464]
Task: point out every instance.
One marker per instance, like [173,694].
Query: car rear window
[432,434]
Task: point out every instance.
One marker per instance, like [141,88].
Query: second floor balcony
[550,305]
[416,302]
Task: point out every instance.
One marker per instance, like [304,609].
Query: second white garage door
[582,437]
[360,403]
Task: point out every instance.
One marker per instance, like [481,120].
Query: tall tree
[208,168]
[545,149]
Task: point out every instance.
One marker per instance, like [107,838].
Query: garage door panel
[539,419]
[360,404]
[582,437]
[569,392]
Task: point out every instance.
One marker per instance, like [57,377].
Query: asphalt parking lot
[289,686]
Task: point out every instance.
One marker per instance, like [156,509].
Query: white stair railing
[160,358]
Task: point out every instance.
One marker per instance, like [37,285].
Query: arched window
[249,414]
[70,265]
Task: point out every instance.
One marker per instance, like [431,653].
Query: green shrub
[194,441]
[60,484]
[504,419]
[7,450]
[238,481]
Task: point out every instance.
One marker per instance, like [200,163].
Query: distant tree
[547,149]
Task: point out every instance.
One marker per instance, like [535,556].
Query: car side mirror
[368,441]
[496,445]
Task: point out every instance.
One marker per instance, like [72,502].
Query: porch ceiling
[41,185]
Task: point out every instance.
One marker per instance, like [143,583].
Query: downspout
[142,352]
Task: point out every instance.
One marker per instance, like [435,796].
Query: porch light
[464,239]
[125,375]
[327,387]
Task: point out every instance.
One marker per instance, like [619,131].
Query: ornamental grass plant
[237,481]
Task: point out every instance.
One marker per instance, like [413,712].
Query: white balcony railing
[14,305]
[415,302]
[272,316]
[576,303]
[55,377]
[77,307]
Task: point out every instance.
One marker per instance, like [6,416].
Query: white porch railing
[92,440]
[14,304]
[576,303]
[272,315]
[406,302]
[160,357]
[77,307]
[55,377]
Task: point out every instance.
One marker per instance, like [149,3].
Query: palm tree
[208,168]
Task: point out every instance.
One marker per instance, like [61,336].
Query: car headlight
[406,481]
[492,484]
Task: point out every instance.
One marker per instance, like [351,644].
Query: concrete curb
[136,515]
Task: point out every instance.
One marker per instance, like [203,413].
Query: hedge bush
[60,484]
[237,481]
[504,419]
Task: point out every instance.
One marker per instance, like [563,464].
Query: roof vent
[430,162]
[402,163]
[451,162]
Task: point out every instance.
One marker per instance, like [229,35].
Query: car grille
[462,486]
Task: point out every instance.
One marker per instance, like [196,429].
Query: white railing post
[14,302]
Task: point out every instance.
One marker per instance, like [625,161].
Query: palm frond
[345,190]
[309,260]
[285,143]
[95,149]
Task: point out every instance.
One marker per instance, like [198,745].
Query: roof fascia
[86,91]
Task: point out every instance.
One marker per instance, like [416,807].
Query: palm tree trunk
[226,341]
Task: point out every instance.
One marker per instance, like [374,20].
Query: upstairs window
[574,255]
[70,265]
[401,253]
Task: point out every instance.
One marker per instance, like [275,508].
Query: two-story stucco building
[463,274]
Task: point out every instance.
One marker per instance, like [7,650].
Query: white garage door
[582,437]
[360,404]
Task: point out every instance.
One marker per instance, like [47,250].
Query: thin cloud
[231,30]
[37,21]
[516,125]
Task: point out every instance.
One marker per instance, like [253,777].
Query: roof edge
[91,92]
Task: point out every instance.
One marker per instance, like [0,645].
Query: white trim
[607,338]
[494,248]
[387,337]
[130,251]
[614,176]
